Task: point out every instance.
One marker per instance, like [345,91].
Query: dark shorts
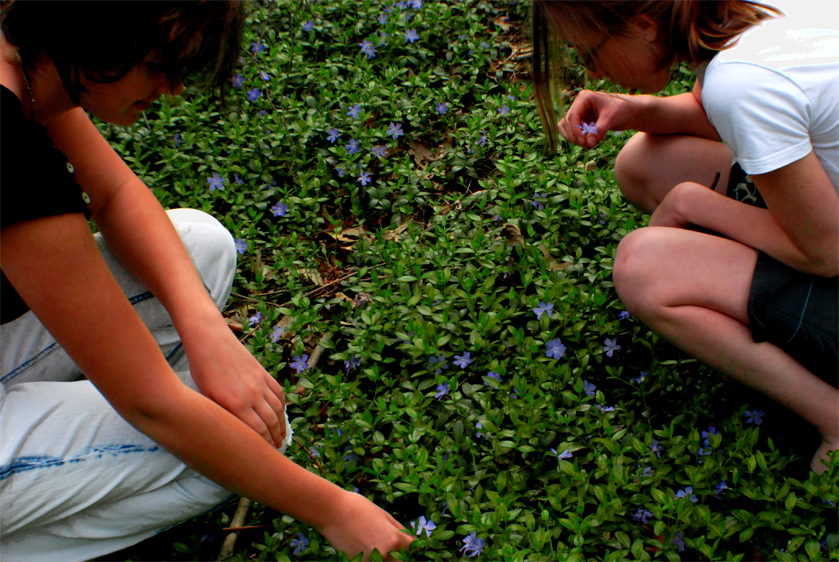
[796,311]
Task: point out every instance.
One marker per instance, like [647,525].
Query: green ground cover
[381,168]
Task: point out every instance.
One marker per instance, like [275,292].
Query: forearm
[676,115]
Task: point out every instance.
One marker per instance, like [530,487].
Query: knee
[632,170]
[633,274]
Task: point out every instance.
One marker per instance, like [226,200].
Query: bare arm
[56,266]
[141,235]
[800,229]
[682,114]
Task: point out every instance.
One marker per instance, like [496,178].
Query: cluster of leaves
[380,164]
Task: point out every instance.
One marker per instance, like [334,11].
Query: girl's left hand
[673,210]
[227,373]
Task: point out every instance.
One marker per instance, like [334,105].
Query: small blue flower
[514,394]
[754,416]
[383,35]
[351,456]
[254,320]
[258,46]
[333,135]
[495,376]
[706,434]
[504,109]
[177,139]
[300,364]
[276,333]
[478,426]
[237,179]
[380,151]
[308,26]
[241,245]
[483,140]
[411,35]
[352,363]
[301,543]
[395,130]
[537,203]
[364,178]
[368,49]
[642,515]
[555,349]
[382,19]
[640,377]
[656,448]
[353,147]
[442,107]
[472,545]
[587,128]
[589,388]
[624,316]
[254,94]
[442,390]
[424,524]
[543,308]
[679,540]
[463,361]
[264,75]
[604,408]
[237,81]
[280,209]
[216,182]
[720,487]
[566,454]
[610,346]
[340,171]
[439,361]
[353,110]
[415,4]
[687,493]
[484,45]
[648,471]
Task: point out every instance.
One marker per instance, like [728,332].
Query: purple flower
[301,543]
[333,135]
[340,171]
[216,182]
[237,179]
[254,94]
[563,455]
[353,110]
[642,515]
[495,376]
[177,139]
[364,178]
[442,390]
[504,109]
[411,35]
[472,545]
[687,493]
[351,364]
[543,308]
[395,130]
[483,140]
[588,128]
[610,346]
[679,540]
[624,316]
[648,471]
[604,408]
[478,426]
[260,114]
[300,363]
[440,361]
[415,4]
[442,107]
[720,487]
[258,46]
[253,320]
[352,148]
[514,394]
[368,49]
[537,203]
[589,388]
[706,434]
[380,151]
[383,35]
[276,333]
[351,456]
[382,19]
[656,448]
[279,209]
[555,349]
[308,26]
[640,377]
[401,5]
[264,75]
[463,360]
[237,81]
[241,245]
[484,45]
[754,416]
[424,524]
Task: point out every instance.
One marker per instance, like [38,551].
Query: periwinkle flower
[555,349]
[478,426]
[463,361]
[258,46]
[280,209]
[300,364]
[648,471]
[353,110]
[754,416]
[439,361]
[237,81]
[264,75]
[610,346]
[442,107]
[415,4]
[177,139]
[276,333]
[395,130]
[353,146]
[340,171]
[411,35]
[254,94]
[604,408]
[254,320]
[587,128]
[706,434]
[472,545]
[543,308]
[241,245]
[424,524]
[483,140]
[640,377]
[536,202]
[642,515]
[624,315]
[679,540]
[368,49]
[504,109]
[237,179]
[720,487]
[216,182]
[352,363]
[380,151]
[442,390]
[656,448]
[566,454]
[495,376]
[308,26]
[333,135]
[687,493]
[382,19]
[589,388]
[364,178]
[301,543]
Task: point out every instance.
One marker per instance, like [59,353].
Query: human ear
[645,28]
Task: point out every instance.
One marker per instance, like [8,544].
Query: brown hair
[105,40]
[689,30]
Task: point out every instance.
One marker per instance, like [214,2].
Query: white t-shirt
[774,96]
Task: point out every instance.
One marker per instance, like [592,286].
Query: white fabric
[77,481]
[774,96]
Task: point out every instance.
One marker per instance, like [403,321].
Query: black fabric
[35,181]
[741,188]
[799,313]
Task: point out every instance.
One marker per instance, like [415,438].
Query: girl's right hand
[360,525]
[609,112]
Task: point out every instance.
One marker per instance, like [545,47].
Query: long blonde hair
[689,30]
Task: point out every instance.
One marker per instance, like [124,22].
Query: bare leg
[670,279]
[649,166]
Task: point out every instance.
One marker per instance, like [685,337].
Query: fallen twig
[238,519]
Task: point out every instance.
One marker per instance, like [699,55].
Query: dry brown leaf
[312,275]
[420,152]
[513,235]
[503,22]
[558,265]
[591,165]
[360,299]
[396,233]
[342,296]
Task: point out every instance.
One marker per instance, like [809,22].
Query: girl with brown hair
[175,414]
[739,264]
